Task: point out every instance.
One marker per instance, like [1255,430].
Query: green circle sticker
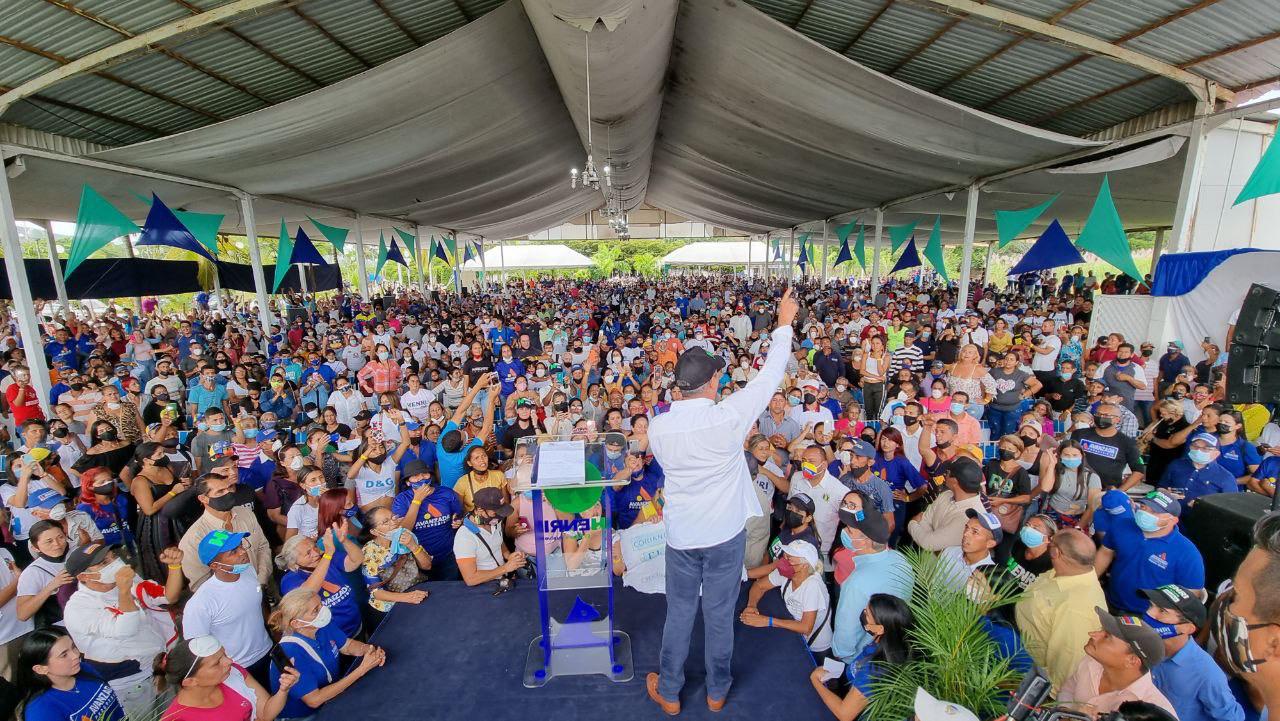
[575,500]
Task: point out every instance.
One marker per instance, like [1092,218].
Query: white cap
[803,549]
[929,708]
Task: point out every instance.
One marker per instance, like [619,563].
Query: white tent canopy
[528,257]
[740,252]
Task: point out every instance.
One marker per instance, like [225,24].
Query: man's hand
[171,556]
[124,578]
[787,309]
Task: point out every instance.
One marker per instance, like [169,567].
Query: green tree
[645,264]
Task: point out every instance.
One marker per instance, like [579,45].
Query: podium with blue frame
[575,589]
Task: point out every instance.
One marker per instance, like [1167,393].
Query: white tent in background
[527,257]
[734,252]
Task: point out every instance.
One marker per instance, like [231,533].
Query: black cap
[87,556]
[696,367]
[490,499]
[364,415]
[802,501]
[967,474]
[1143,640]
[415,468]
[1179,599]
[872,525]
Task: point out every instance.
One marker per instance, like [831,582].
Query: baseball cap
[696,367]
[1209,438]
[928,708]
[84,557]
[37,454]
[364,415]
[415,425]
[1161,502]
[988,521]
[802,549]
[1178,344]
[218,541]
[415,468]
[221,449]
[490,499]
[1177,598]
[872,525]
[863,448]
[266,434]
[524,403]
[1142,639]
[44,498]
[967,474]
[803,502]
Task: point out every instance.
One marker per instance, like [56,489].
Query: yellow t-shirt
[470,482]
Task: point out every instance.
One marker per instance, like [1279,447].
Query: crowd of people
[212,517]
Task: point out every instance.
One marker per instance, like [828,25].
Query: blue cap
[44,498]
[412,424]
[266,434]
[863,448]
[1116,503]
[218,541]
[1209,438]
[1161,502]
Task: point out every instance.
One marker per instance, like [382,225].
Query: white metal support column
[128,253]
[791,254]
[826,237]
[751,241]
[875,254]
[768,257]
[1192,172]
[58,282]
[417,258]
[1157,250]
[502,258]
[986,265]
[484,268]
[23,306]
[966,262]
[457,266]
[362,270]
[255,261]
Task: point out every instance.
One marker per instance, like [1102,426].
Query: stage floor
[461,654]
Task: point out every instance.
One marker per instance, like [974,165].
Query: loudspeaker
[294,314]
[1253,365]
[1221,526]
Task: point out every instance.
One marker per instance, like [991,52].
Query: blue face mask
[268,425]
[957,409]
[793,400]
[1166,630]
[1031,537]
[1072,462]
[350,512]
[315,491]
[1066,376]
[415,485]
[241,569]
[846,540]
[251,433]
[217,427]
[1198,456]
[1146,521]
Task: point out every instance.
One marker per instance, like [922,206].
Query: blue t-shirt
[311,675]
[1268,470]
[898,473]
[1194,482]
[1196,686]
[1142,562]
[1238,456]
[64,352]
[112,520]
[434,526]
[90,699]
[336,593]
[205,399]
[631,501]
[425,452]
[450,464]
[862,671]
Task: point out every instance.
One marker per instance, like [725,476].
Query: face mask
[107,574]
[108,435]
[957,408]
[808,470]
[350,512]
[223,503]
[217,427]
[197,352]
[937,393]
[1028,441]
[1065,376]
[1199,457]
[1072,462]
[314,491]
[613,455]
[57,513]
[1080,425]
[1008,454]
[793,400]
[1166,630]
[1146,521]
[1031,538]
[1104,423]
[113,405]
[383,355]
[251,433]
[1224,428]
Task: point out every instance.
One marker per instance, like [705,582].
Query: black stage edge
[461,654]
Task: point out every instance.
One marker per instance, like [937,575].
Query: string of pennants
[99,222]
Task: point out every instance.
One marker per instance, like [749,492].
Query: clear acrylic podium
[575,589]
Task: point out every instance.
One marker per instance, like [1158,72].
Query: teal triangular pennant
[899,234]
[204,226]
[284,251]
[1011,223]
[1265,178]
[1103,234]
[933,250]
[98,222]
[860,248]
[337,237]
[843,231]
[382,253]
[410,240]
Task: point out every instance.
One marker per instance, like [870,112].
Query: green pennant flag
[284,251]
[337,237]
[1011,223]
[451,244]
[933,251]
[860,247]
[410,240]
[1265,178]
[382,254]
[1103,234]
[203,226]
[843,231]
[98,222]
[899,234]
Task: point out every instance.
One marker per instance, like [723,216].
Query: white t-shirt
[21,519]
[231,613]
[304,517]
[466,544]
[826,503]
[644,557]
[1047,361]
[10,626]
[977,336]
[764,487]
[416,404]
[35,577]
[809,596]
[371,485]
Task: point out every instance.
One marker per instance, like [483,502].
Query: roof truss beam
[141,41]
[195,10]
[399,25]
[872,21]
[38,101]
[1088,43]
[332,38]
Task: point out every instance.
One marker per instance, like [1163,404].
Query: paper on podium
[562,463]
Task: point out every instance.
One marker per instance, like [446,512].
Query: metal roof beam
[98,58]
[195,10]
[1085,42]
[396,21]
[36,100]
[332,38]
[858,35]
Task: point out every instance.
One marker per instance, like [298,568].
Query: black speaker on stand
[1253,364]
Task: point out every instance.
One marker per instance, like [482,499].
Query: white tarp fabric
[749,126]
[739,252]
[1206,309]
[528,257]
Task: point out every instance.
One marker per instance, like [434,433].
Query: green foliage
[955,658]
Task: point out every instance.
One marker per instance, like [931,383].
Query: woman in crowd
[479,473]
[153,487]
[804,598]
[888,620]
[874,370]
[1074,490]
[209,686]
[1027,556]
[54,683]
[122,416]
[850,421]
[393,563]
[971,376]
[1158,436]
[312,644]
[327,573]
[44,586]
[891,464]
[1009,487]
[373,474]
[100,497]
[1000,339]
[939,398]
[239,383]
[107,449]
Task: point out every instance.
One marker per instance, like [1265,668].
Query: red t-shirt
[30,407]
[237,703]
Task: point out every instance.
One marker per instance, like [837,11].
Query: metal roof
[288,49]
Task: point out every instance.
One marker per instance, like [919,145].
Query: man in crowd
[1189,677]
[1055,614]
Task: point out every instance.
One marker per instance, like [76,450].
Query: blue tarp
[1180,273]
[1053,249]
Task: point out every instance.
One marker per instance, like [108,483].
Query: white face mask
[107,574]
[57,513]
[322,619]
[295,463]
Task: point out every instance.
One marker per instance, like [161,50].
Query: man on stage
[709,497]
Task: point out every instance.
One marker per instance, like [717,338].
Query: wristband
[175,568]
[771,622]
[327,556]
[415,503]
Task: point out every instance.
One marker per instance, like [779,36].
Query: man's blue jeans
[1002,423]
[717,572]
